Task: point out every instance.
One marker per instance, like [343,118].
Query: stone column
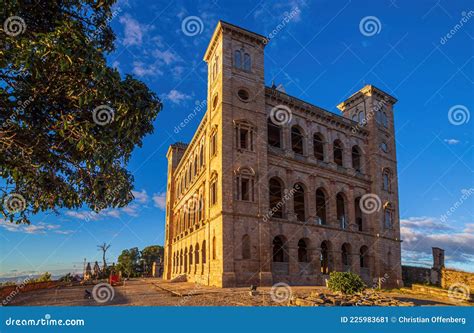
[293,265]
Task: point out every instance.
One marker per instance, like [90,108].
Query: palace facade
[274,189]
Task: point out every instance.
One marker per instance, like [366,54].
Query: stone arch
[346,259]
[276,188]
[326,257]
[299,201]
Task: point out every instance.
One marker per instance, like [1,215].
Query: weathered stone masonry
[257,198]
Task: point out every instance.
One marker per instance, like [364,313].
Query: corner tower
[236,110]
[373,110]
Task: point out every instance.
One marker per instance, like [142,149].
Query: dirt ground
[155,292]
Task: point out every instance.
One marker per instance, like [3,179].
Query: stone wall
[7,293]
[450,277]
[412,275]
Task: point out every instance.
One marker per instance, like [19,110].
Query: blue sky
[321,55]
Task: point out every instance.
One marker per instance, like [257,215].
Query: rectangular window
[243,139]
[214,192]
[214,144]
[245,189]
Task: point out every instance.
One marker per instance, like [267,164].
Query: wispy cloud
[160,200]
[452,141]
[176,96]
[420,234]
[141,69]
[133,31]
[141,197]
[39,228]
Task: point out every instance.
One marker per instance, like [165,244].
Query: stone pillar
[293,265]
[350,213]
[438,258]
[331,206]
[315,259]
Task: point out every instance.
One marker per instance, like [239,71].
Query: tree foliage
[68,122]
[128,262]
[150,254]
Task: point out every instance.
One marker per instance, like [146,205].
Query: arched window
[386,180]
[362,120]
[296,140]
[337,152]
[321,206]
[191,255]
[346,256]
[247,62]
[384,119]
[203,251]
[358,213]
[276,203]
[356,158]
[246,247]
[302,251]
[325,248]
[318,147]
[196,254]
[280,253]
[341,210]
[298,202]
[201,156]
[388,216]
[274,134]
[185,266]
[363,255]
[237,59]
[196,166]
[214,248]
[213,189]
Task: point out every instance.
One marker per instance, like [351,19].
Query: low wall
[7,293]
[450,277]
[412,274]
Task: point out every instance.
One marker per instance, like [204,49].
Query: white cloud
[34,228]
[142,69]
[177,72]
[141,197]
[176,96]
[133,31]
[168,57]
[420,234]
[160,200]
[451,141]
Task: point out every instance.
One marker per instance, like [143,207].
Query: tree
[104,247]
[68,122]
[129,262]
[150,254]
